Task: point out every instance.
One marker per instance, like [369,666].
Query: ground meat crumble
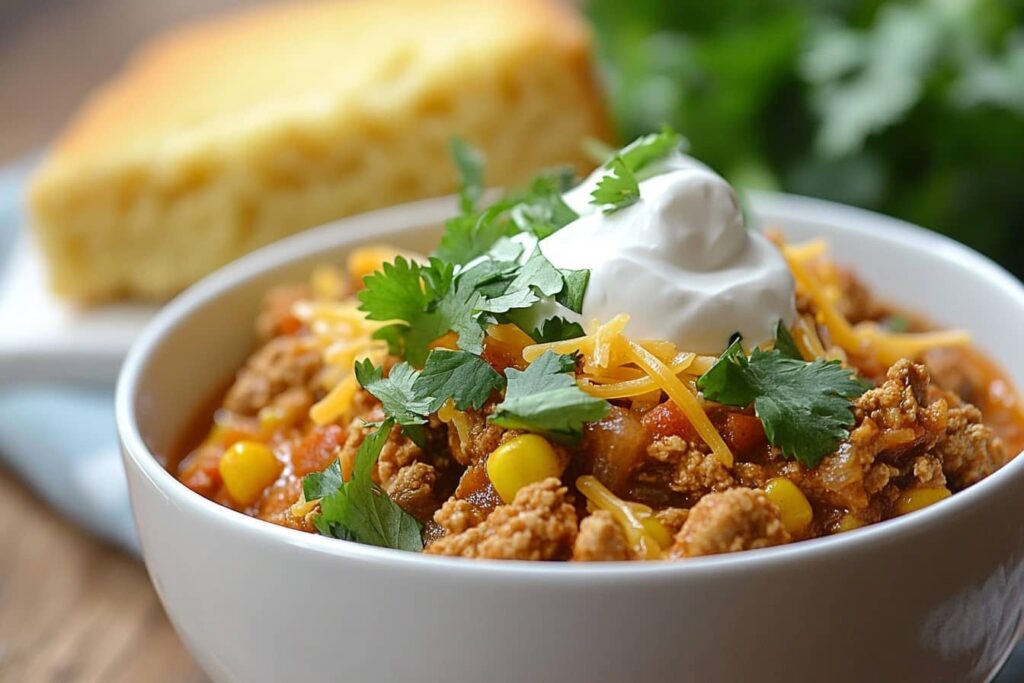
[730,521]
[539,524]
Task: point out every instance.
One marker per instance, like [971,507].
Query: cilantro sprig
[467,380]
[425,302]
[539,210]
[557,329]
[358,510]
[395,392]
[620,187]
[544,398]
[806,408]
[617,189]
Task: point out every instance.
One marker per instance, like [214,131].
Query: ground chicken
[539,524]
[894,419]
[457,515]
[901,402]
[969,451]
[483,437]
[601,539]
[282,364]
[672,518]
[928,471]
[398,452]
[737,519]
[695,471]
[413,489]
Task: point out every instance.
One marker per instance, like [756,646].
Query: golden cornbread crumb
[227,135]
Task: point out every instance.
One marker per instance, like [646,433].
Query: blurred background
[914,109]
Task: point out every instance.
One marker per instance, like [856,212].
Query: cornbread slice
[227,135]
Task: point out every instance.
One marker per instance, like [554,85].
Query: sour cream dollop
[679,261]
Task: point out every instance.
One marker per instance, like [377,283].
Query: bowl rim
[419,215]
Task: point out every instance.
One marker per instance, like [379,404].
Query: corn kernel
[327,283]
[520,461]
[792,503]
[848,522]
[248,467]
[915,499]
[273,418]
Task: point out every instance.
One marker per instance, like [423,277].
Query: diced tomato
[743,433]
[501,356]
[289,325]
[668,420]
[199,470]
[317,449]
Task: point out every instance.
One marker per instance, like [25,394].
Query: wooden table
[72,608]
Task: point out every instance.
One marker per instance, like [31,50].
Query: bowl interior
[202,337]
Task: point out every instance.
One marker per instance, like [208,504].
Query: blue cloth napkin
[61,439]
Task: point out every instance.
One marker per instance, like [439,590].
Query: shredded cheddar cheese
[862,339]
[341,332]
[634,387]
[685,399]
[807,339]
[890,347]
[647,537]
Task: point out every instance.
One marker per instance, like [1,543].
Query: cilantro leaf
[470,164]
[397,397]
[457,311]
[785,344]
[806,408]
[358,510]
[896,322]
[463,377]
[428,302]
[575,288]
[647,148]
[557,329]
[726,382]
[617,189]
[317,485]
[395,292]
[544,398]
[539,274]
[515,299]
[542,211]
[395,392]
[536,274]
[470,235]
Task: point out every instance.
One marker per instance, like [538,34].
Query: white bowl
[934,595]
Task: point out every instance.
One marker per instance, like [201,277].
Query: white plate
[44,338]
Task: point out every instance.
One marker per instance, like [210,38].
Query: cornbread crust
[227,135]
